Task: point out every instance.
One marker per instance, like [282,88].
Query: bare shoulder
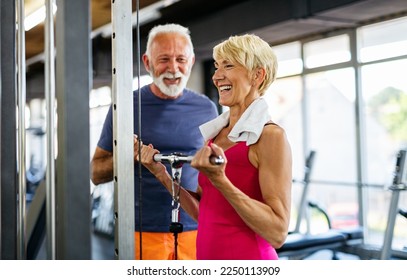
[272,141]
[271,133]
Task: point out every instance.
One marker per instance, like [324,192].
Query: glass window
[330,100]
[383,40]
[327,51]
[289,59]
[384,92]
[285,99]
[340,203]
[331,124]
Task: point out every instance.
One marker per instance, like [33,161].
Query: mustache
[172,75]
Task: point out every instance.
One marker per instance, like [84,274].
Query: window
[385,105]
[285,99]
[383,40]
[289,59]
[327,51]
[331,123]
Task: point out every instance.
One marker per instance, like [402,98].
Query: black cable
[175,226]
[138,53]
[175,246]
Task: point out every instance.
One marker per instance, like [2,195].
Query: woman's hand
[201,162]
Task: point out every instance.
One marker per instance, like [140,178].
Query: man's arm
[101,166]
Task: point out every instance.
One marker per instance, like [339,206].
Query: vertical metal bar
[360,132]
[1,189]
[8,153]
[140,189]
[21,132]
[123,161]
[303,206]
[391,222]
[393,208]
[304,109]
[50,121]
[73,83]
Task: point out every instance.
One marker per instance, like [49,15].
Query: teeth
[222,88]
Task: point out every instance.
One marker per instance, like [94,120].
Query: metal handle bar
[176,158]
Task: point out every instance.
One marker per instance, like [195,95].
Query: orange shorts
[160,245]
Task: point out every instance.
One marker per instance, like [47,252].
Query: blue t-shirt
[171,126]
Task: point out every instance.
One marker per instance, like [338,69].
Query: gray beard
[172,90]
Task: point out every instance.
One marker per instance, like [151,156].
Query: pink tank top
[222,234]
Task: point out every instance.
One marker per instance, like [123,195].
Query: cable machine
[122,102]
[176,161]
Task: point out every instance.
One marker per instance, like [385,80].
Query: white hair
[168,28]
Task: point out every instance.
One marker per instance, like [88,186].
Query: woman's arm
[272,156]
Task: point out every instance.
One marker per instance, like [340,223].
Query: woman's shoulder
[273,128]
[272,132]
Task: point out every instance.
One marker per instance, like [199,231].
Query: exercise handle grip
[172,158]
[215,160]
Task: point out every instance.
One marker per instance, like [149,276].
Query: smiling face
[169,64]
[234,84]
[250,54]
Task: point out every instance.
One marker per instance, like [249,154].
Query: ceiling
[101,15]
[210,21]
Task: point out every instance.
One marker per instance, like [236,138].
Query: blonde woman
[242,206]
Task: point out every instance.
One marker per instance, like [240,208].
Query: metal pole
[21,245]
[394,202]
[391,222]
[1,103]
[123,128]
[360,133]
[73,82]
[50,100]
[303,207]
[8,120]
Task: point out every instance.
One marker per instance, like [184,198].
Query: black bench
[299,245]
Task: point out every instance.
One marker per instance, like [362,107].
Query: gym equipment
[301,245]
[350,241]
[386,252]
[395,188]
[177,160]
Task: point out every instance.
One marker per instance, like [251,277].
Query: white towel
[248,128]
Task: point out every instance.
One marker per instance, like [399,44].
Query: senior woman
[243,205]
